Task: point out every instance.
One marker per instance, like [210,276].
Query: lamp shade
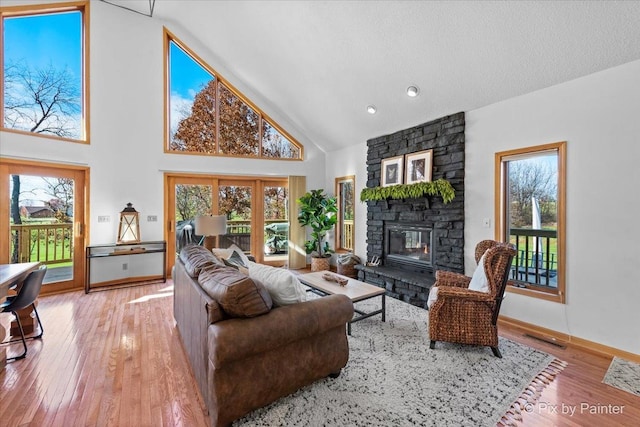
[211,225]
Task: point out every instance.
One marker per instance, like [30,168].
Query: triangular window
[206,115]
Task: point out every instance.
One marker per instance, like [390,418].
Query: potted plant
[318,211]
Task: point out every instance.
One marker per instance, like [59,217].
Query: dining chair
[25,297]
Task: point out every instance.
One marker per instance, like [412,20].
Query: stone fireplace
[415,237]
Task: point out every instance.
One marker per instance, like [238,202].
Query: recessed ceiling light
[371,109]
[413,91]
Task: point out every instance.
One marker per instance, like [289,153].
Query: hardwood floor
[114,358]
[109,358]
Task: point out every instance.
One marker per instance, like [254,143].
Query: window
[345,231]
[530,214]
[44,53]
[206,115]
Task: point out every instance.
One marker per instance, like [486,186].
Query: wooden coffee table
[355,290]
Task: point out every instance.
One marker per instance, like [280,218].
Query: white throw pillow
[433,296]
[283,286]
[479,280]
[233,255]
[221,253]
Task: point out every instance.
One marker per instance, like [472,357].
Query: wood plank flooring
[114,358]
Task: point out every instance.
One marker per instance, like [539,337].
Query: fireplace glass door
[408,245]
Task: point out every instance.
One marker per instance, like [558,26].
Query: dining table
[10,274]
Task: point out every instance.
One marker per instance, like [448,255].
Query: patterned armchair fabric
[465,316]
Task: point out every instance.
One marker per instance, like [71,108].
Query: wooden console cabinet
[117,265]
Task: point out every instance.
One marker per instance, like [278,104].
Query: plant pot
[319,264]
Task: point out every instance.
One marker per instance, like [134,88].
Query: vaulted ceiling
[321,63]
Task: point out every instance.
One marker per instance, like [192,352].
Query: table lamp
[210,226]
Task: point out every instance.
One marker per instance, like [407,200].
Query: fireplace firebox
[408,245]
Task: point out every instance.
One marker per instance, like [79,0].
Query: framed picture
[392,171]
[418,167]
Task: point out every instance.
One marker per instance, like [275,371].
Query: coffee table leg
[348,328]
[384,309]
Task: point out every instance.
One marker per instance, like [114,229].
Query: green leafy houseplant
[318,211]
[440,187]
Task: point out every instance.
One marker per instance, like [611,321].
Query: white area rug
[394,379]
[624,375]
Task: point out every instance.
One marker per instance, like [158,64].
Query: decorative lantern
[129,227]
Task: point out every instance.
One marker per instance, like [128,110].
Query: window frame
[169,37]
[44,9]
[502,215]
[340,221]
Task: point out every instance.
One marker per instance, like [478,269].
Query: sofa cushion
[283,286]
[195,258]
[237,294]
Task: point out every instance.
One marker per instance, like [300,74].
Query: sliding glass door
[43,220]
[255,208]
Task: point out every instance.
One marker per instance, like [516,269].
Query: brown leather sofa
[245,353]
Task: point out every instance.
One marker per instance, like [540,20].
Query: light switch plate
[104,218]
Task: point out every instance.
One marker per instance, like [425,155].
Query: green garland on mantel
[440,187]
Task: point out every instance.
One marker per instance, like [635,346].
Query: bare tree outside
[42,100]
[275,145]
[532,178]
[61,202]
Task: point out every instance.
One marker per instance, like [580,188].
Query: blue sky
[45,39]
[187,76]
[55,39]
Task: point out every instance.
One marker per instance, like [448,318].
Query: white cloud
[180,108]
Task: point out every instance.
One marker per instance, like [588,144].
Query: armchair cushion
[433,296]
[479,281]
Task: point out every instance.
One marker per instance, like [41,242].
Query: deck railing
[239,233]
[536,259]
[347,234]
[46,243]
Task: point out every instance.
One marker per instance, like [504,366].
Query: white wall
[598,116]
[126,156]
[351,161]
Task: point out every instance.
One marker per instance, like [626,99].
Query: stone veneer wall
[446,137]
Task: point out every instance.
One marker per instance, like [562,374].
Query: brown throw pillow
[237,294]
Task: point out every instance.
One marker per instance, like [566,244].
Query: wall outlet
[152,218]
[104,218]
[125,266]
[486,222]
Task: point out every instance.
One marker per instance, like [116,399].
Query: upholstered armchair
[466,316]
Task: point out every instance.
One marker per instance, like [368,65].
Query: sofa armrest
[236,339]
